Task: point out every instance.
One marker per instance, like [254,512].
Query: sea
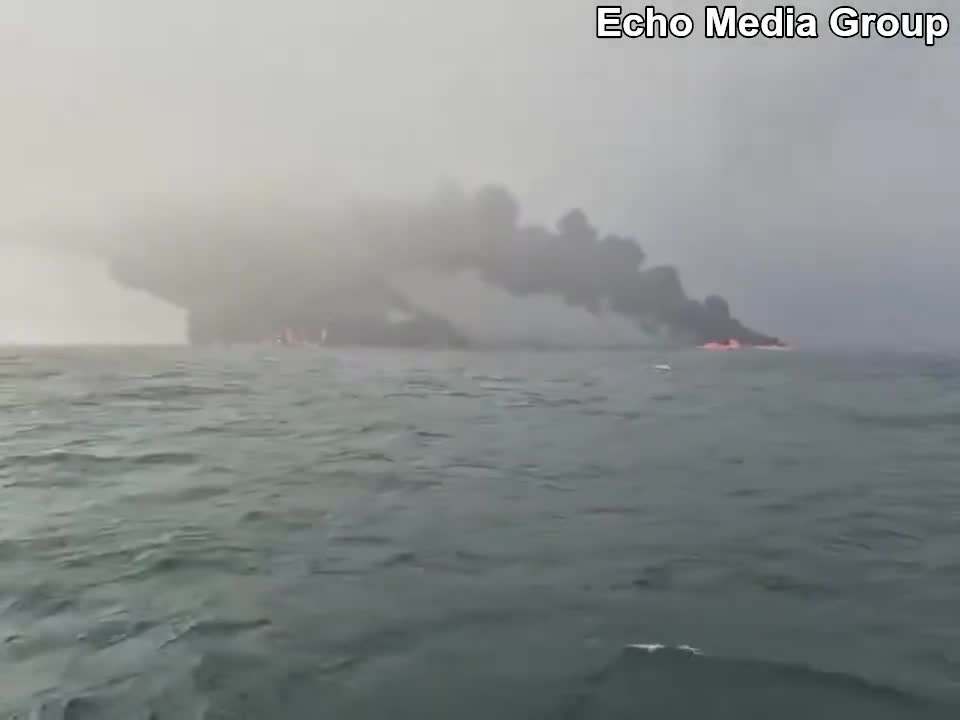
[276,533]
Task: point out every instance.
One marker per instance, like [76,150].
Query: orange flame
[731,344]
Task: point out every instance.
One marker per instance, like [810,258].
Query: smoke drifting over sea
[810,182]
[354,274]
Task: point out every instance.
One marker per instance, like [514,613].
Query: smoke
[491,316]
[809,181]
[259,275]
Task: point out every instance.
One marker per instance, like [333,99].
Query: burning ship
[302,282]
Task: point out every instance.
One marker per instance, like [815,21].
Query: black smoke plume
[246,279]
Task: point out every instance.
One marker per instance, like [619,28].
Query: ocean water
[276,534]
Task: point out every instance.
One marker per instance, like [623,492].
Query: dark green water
[362,534]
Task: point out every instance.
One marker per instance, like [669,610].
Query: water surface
[195,533]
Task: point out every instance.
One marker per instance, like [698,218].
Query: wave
[161,393]
[62,457]
[661,681]
[948,418]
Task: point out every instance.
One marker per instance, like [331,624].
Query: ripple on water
[79,461]
[205,535]
[694,684]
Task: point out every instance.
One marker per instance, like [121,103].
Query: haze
[809,182]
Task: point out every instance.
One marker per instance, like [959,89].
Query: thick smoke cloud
[254,279]
[810,182]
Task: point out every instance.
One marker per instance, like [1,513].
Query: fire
[731,344]
[734,344]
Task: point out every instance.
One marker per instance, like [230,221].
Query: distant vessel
[662,368]
[731,344]
[288,338]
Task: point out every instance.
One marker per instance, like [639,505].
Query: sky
[811,182]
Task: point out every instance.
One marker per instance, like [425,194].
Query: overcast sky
[811,182]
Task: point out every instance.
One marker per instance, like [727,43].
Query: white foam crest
[656,647]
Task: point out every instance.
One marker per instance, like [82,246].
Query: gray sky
[810,182]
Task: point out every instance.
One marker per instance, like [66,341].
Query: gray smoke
[810,182]
[271,271]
